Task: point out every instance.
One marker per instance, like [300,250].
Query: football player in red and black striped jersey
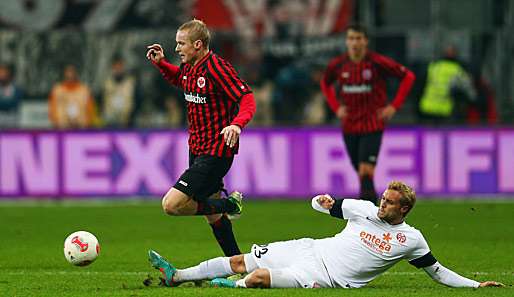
[219,105]
[359,100]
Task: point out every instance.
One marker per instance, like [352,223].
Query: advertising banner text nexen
[272,163]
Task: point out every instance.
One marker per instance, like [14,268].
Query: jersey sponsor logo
[357,89]
[401,237]
[201,82]
[195,98]
[375,243]
[366,74]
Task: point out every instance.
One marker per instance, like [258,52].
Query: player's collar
[392,225]
[203,59]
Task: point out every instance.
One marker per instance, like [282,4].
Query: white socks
[213,268]
[241,283]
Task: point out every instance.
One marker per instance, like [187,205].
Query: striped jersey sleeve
[170,72]
[226,77]
[329,77]
[333,69]
[389,65]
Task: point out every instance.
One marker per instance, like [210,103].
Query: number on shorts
[260,249]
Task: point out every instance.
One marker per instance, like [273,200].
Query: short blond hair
[197,31]
[407,194]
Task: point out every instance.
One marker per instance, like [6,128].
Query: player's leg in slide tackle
[213,269]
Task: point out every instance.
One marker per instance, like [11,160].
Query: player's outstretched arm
[449,278]
[491,284]
[155,53]
[326,204]
[322,203]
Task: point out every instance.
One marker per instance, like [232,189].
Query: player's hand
[325,201]
[231,134]
[387,112]
[341,112]
[155,53]
[491,284]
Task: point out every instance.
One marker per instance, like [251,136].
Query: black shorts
[204,176]
[363,148]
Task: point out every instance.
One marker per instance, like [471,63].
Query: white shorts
[295,260]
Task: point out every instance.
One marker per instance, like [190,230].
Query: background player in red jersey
[219,105]
[360,101]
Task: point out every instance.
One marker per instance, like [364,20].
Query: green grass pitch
[473,238]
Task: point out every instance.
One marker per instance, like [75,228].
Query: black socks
[368,189]
[222,230]
[214,206]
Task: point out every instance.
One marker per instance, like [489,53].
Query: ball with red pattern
[81,248]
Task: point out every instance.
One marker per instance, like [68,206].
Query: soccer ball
[81,248]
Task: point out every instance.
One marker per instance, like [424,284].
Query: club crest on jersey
[201,82]
[366,74]
[401,237]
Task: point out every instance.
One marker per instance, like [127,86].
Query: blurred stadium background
[292,148]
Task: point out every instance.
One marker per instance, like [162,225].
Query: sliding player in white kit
[374,239]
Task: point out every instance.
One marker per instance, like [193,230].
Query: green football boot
[167,270]
[223,283]
[237,199]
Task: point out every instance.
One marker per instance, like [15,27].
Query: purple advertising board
[272,163]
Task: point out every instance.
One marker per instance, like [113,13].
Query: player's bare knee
[260,278]
[169,207]
[237,263]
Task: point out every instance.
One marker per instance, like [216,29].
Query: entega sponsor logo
[195,98]
[355,89]
[376,243]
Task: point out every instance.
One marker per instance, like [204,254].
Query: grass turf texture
[473,238]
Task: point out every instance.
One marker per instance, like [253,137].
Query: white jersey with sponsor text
[367,246]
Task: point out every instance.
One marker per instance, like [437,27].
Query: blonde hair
[197,31]
[407,194]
